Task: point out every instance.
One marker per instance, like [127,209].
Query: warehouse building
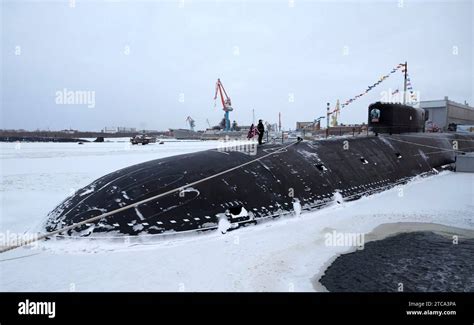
[445,112]
[300,126]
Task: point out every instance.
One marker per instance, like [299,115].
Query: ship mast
[405,83]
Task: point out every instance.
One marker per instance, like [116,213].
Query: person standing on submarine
[252,132]
[261,131]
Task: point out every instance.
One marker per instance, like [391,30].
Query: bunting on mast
[370,87]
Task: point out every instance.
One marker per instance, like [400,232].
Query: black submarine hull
[308,172]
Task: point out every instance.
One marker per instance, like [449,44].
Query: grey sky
[262,51]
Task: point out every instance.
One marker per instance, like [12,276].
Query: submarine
[197,191]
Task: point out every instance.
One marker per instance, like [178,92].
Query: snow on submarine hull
[308,172]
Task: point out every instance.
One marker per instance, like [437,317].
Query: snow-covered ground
[283,255]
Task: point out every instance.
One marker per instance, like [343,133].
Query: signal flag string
[381,79]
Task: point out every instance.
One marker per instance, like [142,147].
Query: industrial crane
[226,103]
[191,122]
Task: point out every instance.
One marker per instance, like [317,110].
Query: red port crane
[226,103]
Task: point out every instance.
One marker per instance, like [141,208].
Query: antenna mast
[405,84]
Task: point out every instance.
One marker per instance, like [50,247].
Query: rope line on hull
[315,206]
[428,146]
[133,205]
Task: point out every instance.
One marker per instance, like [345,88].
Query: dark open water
[421,261]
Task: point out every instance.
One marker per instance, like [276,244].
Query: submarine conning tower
[394,118]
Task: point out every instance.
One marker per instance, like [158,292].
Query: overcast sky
[151,64]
